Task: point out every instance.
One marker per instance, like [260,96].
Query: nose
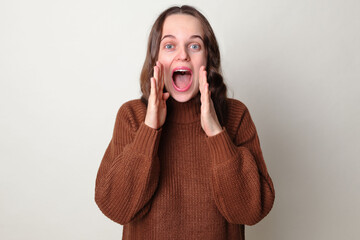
[183,54]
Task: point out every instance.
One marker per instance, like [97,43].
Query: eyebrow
[192,37]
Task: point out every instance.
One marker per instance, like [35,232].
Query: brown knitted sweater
[177,183]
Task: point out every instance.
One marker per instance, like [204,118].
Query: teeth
[181,70]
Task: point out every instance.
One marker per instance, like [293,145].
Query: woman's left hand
[209,121]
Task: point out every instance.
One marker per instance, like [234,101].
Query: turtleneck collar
[183,112]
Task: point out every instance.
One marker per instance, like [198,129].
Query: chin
[182,97]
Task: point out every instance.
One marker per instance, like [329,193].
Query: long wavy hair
[217,86]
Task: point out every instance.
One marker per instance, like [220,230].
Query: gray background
[67,66]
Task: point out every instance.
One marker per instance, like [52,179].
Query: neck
[183,112]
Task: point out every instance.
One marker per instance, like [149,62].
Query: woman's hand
[156,108]
[209,121]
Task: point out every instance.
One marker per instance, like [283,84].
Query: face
[182,53]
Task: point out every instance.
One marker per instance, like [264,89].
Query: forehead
[182,25]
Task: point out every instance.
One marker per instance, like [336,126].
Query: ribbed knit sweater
[178,183]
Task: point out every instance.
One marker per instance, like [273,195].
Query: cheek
[164,57]
[204,61]
[166,62]
[167,74]
[200,61]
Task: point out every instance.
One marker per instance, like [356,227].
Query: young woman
[184,161]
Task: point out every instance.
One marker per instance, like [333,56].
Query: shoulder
[235,110]
[235,106]
[132,113]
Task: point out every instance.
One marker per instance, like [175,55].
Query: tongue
[182,81]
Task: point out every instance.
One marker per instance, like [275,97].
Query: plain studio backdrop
[67,66]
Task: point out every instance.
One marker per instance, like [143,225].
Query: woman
[184,162]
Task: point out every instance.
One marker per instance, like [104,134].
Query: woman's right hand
[156,108]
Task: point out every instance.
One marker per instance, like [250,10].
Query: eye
[195,46]
[169,46]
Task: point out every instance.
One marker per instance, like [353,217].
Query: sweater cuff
[147,140]
[221,147]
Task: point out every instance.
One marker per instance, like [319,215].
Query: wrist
[151,124]
[215,131]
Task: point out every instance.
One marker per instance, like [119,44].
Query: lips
[182,78]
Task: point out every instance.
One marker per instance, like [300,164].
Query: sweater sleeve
[242,188]
[129,171]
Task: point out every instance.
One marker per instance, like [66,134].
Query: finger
[200,82]
[206,104]
[206,91]
[161,76]
[166,95]
[202,69]
[205,76]
[205,96]
[152,87]
[156,72]
[156,76]
[203,80]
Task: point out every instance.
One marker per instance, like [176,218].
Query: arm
[129,171]
[242,187]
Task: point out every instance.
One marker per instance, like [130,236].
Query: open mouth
[182,78]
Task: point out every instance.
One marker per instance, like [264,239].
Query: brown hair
[217,86]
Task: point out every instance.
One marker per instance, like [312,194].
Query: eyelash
[198,47]
[168,44]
